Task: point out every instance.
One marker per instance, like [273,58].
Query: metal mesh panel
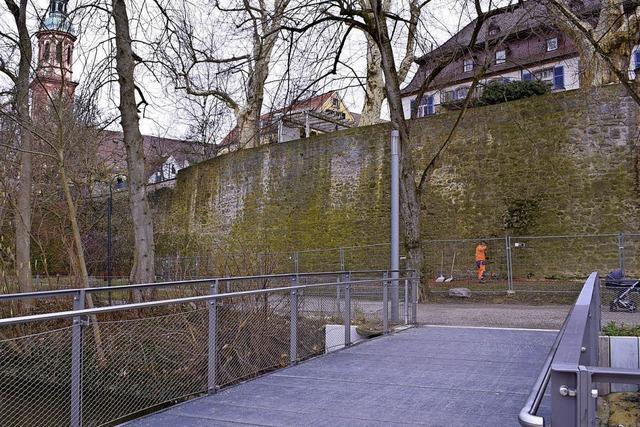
[35,371]
[141,363]
[619,306]
[367,308]
[320,321]
[561,263]
[367,257]
[454,262]
[253,336]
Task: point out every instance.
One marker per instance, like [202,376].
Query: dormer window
[501,56]
[493,29]
[552,44]
[468,65]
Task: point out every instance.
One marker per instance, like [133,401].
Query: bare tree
[202,65]
[375,88]
[604,37]
[144,251]
[21,80]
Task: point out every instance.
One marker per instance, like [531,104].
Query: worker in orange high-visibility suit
[481,260]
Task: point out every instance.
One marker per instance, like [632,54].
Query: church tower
[54,75]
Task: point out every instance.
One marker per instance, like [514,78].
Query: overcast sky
[164,116]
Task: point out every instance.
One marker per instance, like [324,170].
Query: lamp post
[395,223]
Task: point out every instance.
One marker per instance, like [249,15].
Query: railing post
[77,333]
[415,283]
[342,263]
[621,250]
[212,345]
[564,404]
[509,254]
[338,307]
[296,262]
[294,327]
[406,301]
[385,303]
[347,313]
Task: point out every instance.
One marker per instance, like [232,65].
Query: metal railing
[571,367]
[108,364]
[294,278]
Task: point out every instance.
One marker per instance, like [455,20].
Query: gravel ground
[507,315]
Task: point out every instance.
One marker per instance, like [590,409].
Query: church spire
[54,75]
[56,18]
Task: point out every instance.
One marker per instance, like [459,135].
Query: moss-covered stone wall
[563,163]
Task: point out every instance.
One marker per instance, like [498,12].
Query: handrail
[567,349]
[72,291]
[114,308]
[527,415]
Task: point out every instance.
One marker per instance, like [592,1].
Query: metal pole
[385,304]
[76,360]
[212,340]
[307,128]
[347,314]
[342,263]
[109,239]
[395,222]
[621,250]
[294,327]
[296,262]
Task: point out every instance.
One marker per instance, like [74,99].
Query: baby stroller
[615,281]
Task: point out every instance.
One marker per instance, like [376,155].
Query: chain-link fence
[105,365]
[366,257]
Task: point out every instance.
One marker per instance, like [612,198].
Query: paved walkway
[494,315]
[435,376]
[509,315]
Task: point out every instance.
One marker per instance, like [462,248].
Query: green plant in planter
[621,330]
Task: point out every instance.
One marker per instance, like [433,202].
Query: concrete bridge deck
[435,376]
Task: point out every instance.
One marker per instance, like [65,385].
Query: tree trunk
[23,203]
[77,252]
[143,258]
[409,201]
[594,71]
[374,95]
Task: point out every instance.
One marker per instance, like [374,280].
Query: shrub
[497,91]
[621,330]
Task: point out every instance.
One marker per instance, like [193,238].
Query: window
[558,78]
[68,55]
[468,65]
[455,94]
[461,92]
[47,50]
[636,60]
[553,76]
[59,53]
[426,108]
[552,44]
[501,56]
[335,102]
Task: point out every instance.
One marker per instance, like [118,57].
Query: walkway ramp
[435,376]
